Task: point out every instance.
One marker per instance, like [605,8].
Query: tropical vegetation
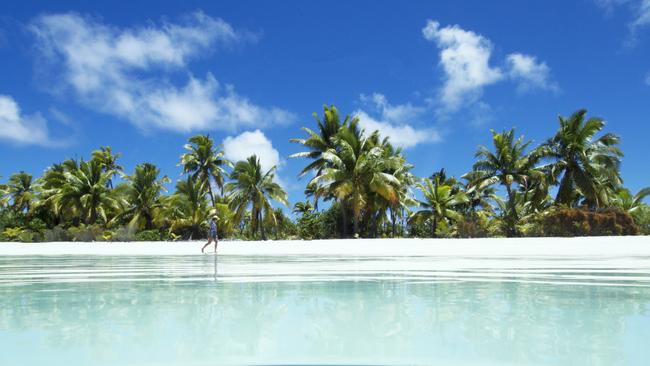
[357,184]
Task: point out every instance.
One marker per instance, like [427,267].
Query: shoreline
[603,246]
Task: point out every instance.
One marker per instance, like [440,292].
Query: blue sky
[436,76]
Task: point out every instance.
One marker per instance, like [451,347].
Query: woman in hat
[212,234]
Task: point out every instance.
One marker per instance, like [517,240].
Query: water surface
[209,310]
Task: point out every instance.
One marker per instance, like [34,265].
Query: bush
[85,233]
[580,222]
[123,234]
[472,227]
[642,218]
[36,225]
[30,236]
[57,233]
[309,225]
[148,235]
[12,233]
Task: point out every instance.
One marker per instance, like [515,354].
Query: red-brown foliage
[582,222]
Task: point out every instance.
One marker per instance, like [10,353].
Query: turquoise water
[204,310]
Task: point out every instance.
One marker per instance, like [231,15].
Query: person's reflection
[215,267]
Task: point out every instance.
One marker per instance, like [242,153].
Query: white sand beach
[609,261]
[620,246]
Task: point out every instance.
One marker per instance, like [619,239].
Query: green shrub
[472,226]
[12,233]
[30,236]
[309,225]
[36,224]
[642,219]
[580,222]
[124,233]
[85,233]
[56,233]
[148,235]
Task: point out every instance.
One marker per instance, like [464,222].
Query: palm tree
[143,196]
[205,163]
[320,142]
[188,209]
[251,187]
[20,189]
[85,193]
[628,202]
[580,160]
[480,193]
[4,195]
[356,169]
[440,203]
[509,164]
[108,161]
[302,208]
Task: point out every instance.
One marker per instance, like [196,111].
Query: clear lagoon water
[246,310]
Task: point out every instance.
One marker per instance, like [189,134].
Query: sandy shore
[632,246]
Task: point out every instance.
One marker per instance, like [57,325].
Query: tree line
[568,185]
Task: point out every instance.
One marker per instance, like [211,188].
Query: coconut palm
[49,184]
[578,159]
[356,169]
[188,209]
[628,202]
[302,208]
[480,192]
[250,187]
[143,196]
[205,163]
[85,193]
[108,161]
[440,203]
[4,196]
[509,164]
[320,142]
[21,191]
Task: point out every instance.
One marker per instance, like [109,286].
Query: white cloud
[16,127]
[642,16]
[465,59]
[529,73]
[126,72]
[252,143]
[640,10]
[394,121]
[402,135]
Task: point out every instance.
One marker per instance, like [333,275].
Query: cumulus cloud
[465,59]
[393,121]
[127,72]
[249,143]
[20,128]
[529,73]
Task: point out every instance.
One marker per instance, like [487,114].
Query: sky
[435,77]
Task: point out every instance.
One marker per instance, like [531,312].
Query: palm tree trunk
[261,225]
[513,211]
[344,214]
[434,226]
[392,219]
[564,191]
[211,194]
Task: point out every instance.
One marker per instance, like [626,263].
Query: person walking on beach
[212,234]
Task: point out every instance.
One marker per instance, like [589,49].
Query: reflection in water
[217,321]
